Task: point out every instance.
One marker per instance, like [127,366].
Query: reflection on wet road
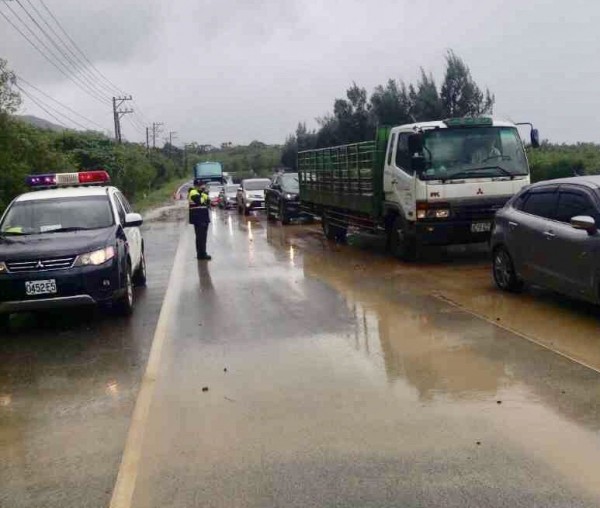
[298,372]
[302,373]
[68,382]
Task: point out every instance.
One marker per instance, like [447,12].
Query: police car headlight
[95,258]
[3,268]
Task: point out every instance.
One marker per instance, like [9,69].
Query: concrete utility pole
[119,113]
[172,134]
[155,131]
[147,140]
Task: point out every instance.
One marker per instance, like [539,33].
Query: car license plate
[481,227]
[40,287]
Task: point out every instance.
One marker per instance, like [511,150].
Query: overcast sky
[240,70]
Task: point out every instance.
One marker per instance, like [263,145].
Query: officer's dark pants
[201,231]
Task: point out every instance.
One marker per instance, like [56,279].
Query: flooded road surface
[291,371]
[68,384]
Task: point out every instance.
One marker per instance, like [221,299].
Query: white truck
[426,183]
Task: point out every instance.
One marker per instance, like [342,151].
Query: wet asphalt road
[297,372]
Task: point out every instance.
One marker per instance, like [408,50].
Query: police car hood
[53,245]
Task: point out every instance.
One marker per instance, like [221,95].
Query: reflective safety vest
[198,211]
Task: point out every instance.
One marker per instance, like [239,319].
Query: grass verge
[161,196]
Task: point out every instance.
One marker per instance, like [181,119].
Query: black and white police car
[74,241]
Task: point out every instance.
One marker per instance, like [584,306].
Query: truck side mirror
[415,143]
[535,138]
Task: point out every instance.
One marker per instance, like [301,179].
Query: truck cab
[443,181]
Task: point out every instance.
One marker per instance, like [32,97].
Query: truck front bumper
[453,232]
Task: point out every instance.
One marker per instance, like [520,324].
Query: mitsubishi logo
[39,265]
[479,191]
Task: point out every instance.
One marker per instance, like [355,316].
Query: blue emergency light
[68,179]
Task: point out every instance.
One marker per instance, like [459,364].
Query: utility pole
[155,131]
[119,113]
[147,140]
[171,135]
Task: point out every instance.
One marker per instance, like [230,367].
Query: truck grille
[40,265]
[478,211]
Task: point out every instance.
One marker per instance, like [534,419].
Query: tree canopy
[356,117]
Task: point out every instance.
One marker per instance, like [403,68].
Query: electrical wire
[45,105]
[72,57]
[121,92]
[21,80]
[68,61]
[66,74]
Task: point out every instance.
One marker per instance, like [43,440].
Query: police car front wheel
[124,304]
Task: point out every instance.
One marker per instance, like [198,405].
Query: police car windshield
[57,214]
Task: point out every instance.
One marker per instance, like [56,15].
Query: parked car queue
[546,235]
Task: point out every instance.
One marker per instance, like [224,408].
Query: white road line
[125,485]
[447,300]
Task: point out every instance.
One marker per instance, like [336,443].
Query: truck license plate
[40,287]
[481,227]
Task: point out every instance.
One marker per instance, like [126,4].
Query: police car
[74,241]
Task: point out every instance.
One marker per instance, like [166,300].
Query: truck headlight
[289,196]
[95,258]
[3,268]
[436,210]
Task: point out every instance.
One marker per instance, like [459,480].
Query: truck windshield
[208,170]
[472,153]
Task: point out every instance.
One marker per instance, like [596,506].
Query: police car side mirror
[133,220]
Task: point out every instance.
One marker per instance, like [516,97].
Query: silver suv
[547,235]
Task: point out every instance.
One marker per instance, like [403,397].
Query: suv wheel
[504,272]
[139,277]
[124,305]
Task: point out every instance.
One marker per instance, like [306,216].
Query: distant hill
[40,123]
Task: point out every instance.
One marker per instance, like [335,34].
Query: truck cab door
[398,177]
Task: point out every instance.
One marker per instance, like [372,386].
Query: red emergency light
[68,179]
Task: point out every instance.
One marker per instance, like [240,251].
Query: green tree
[460,94]
[391,104]
[425,100]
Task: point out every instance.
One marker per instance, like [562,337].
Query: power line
[46,56]
[76,60]
[68,61]
[43,106]
[121,92]
[20,79]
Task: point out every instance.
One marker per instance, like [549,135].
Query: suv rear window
[541,203]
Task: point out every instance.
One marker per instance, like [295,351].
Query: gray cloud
[240,70]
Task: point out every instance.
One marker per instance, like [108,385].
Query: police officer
[199,203]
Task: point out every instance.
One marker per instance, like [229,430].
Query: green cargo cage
[346,177]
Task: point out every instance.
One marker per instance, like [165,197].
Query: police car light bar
[68,179]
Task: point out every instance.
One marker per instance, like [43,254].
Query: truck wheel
[332,232]
[504,272]
[400,245]
[285,220]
